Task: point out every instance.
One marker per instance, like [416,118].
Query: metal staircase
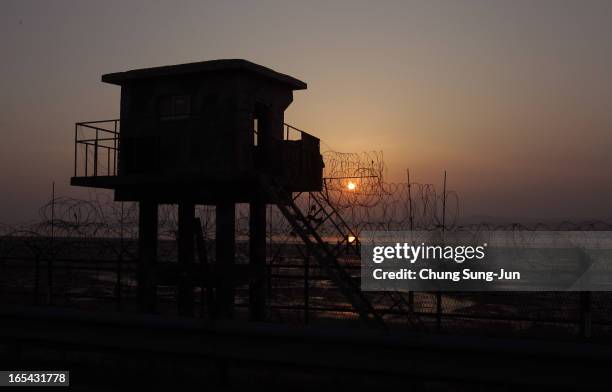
[322,211]
[385,302]
[326,256]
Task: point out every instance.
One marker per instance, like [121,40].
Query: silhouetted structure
[210,132]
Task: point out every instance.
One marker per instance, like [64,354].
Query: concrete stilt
[257,255]
[147,248]
[225,259]
[186,239]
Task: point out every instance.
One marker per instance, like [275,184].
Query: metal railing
[95,148]
[293,133]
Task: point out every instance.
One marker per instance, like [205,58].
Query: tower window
[174,107]
[255,131]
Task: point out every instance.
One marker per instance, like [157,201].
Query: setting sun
[351,186]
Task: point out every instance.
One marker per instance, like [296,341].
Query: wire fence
[83,253]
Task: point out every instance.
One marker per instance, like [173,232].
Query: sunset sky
[513,98]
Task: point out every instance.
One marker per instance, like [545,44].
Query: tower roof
[120,78]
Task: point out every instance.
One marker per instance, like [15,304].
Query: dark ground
[95,277]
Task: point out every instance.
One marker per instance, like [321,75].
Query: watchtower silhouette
[199,133]
[213,133]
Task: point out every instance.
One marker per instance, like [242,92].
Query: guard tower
[211,133]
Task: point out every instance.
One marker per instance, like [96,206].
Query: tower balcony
[96,147]
[103,158]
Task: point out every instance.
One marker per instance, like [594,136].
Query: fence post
[118,281]
[76,128]
[438,311]
[36,278]
[115,152]
[411,301]
[95,168]
[585,315]
[51,259]
[307,288]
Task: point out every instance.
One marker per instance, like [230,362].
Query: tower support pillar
[257,259]
[225,258]
[186,242]
[147,249]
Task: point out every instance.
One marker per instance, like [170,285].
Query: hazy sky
[513,98]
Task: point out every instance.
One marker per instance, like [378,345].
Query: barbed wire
[356,186]
[354,183]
